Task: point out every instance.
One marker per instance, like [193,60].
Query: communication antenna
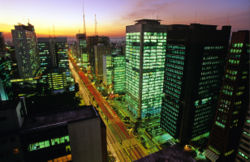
[95,26]
[54,32]
[84,25]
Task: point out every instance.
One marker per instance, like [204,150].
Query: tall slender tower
[24,39]
[145,60]
[233,101]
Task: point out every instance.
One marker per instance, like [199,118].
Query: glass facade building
[193,73]
[145,58]
[233,100]
[119,74]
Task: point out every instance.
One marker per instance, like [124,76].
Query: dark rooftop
[148,21]
[60,118]
[173,153]
[4,105]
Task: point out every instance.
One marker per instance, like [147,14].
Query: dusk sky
[114,15]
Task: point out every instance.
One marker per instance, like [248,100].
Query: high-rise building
[233,100]
[193,73]
[100,50]
[91,42]
[24,39]
[107,69]
[5,76]
[82,54]
[2,44]
[46,52]
[119,79]
[243,153]
[145,60]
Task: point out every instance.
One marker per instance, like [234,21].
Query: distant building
[61,49]
[107,69]
[145,61]
[100,50]
[24,39]
[82,54]
[2,44]
[194,66]
[119,79]
[46,51]
[5,77]
[91,42]
[233,101]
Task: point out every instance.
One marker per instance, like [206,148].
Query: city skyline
[66,19]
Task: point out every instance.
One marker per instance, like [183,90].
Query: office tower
[82,54]
[100,50]
[233,100]
[5,74]
[243,152]
[145,60]
[46,52]
[193,73]
[119,79]
[2,44]
[107,70]
[24,39]
[91,42]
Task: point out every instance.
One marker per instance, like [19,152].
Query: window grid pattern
[208,89]
[174,66]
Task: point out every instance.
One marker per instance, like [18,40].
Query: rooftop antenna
[49,33]
[228,23]
[84,25]
[54,31]
[95,26]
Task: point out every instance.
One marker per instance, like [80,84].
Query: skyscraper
[145,59]
[233,100]
[193,73]
[82,49]
[24,39]
[100,50]
[91,42]
[243,152]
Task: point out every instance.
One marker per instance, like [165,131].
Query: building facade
[145,60]
[119,79]
[193,73]
[24,39]
[233,100]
